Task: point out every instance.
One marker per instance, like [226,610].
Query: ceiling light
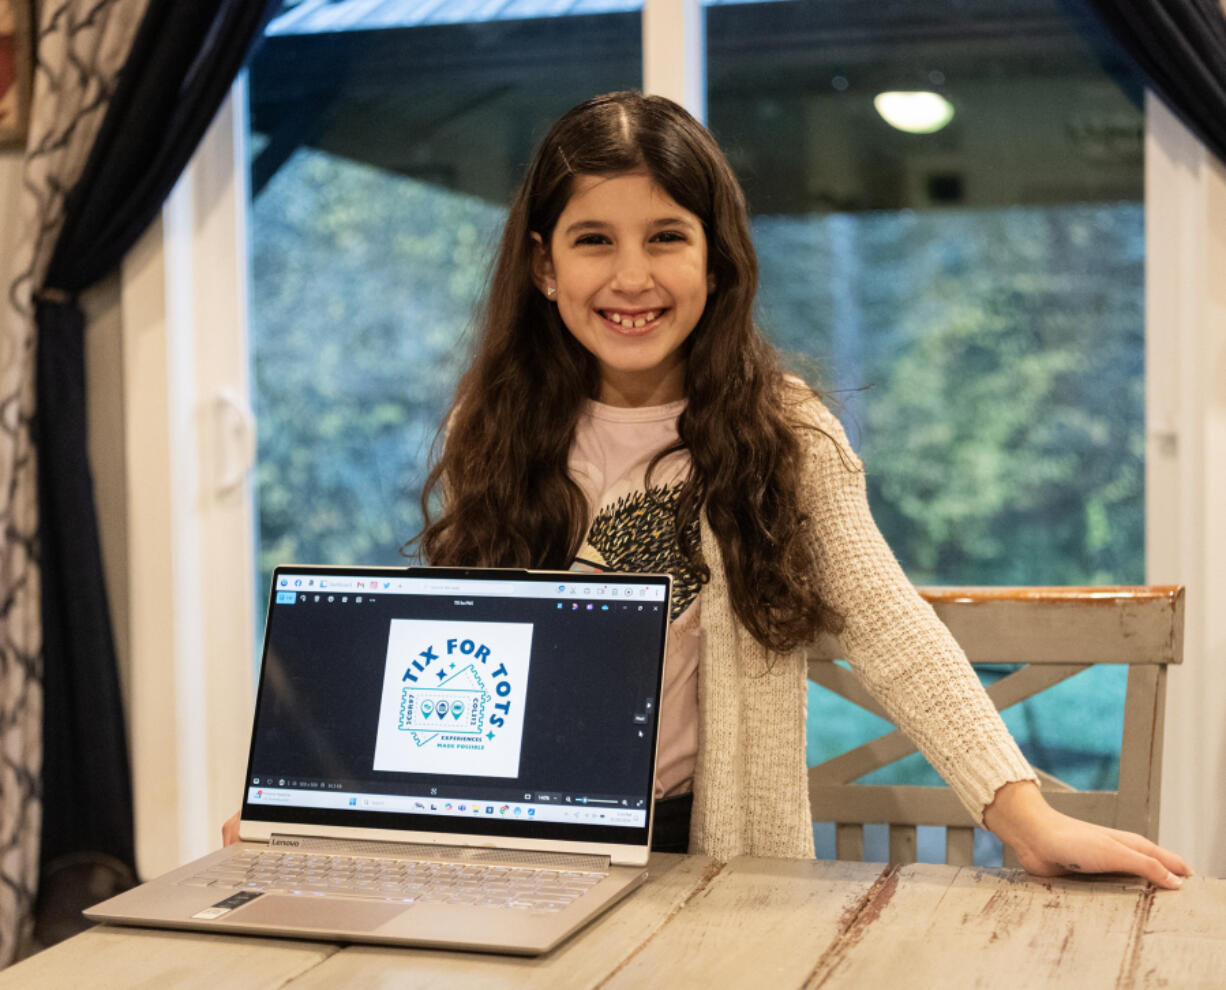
[919,112]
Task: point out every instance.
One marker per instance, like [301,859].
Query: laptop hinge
[288,842]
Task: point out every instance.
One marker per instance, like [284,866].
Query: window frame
[189,442]
[1185,465]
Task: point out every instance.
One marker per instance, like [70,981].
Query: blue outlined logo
[458,702]
[453,697]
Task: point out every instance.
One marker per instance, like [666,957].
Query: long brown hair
[509,499]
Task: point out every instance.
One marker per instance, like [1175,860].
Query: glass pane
[386,141]
[970,298]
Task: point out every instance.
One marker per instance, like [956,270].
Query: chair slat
[1030,680]
[849,842]
[960,846]
[1049,625]
[1141,751]
[899,804]
[902,844]
[845,684]
[1055,625]
[1051,782]
[864,759]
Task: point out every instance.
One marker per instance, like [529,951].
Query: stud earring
[551,291]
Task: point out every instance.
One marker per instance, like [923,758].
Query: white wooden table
[750,922]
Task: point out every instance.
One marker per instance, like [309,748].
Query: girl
[622,411]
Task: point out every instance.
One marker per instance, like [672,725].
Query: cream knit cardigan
[750,780]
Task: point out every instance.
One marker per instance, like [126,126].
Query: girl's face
[628,270]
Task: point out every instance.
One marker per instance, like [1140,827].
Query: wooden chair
[1053,633]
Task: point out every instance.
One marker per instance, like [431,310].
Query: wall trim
[1185,210]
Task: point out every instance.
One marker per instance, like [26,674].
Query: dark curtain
[1180,45]
[183,60]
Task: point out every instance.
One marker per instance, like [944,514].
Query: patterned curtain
[82,45]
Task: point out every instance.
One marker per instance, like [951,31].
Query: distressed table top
[749,922]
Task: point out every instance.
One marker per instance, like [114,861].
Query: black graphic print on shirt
[638,532]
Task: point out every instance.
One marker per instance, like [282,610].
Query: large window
[970,299]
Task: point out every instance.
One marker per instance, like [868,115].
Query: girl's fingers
[1173,862]
[1150,868]
[1082,847]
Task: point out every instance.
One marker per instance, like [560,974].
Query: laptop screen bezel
[623,845]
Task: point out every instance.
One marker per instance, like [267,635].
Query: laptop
[462,758]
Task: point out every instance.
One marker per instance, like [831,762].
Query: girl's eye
[588,239]
[669,236]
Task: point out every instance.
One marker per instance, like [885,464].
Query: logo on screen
[453,697]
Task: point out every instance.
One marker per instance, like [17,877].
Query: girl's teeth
[630,321]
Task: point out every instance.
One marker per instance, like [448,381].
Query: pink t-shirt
[634,530]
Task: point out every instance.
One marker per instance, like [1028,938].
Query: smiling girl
[622,411]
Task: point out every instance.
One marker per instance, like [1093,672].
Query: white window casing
[189,442]
[674,53]
[1185,468]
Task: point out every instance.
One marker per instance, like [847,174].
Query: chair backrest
[1053,633]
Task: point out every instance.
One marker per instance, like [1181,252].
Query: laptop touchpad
[337,914]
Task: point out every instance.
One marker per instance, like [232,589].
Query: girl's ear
[542,268]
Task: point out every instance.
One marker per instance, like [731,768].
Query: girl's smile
[627,266]
[631,323]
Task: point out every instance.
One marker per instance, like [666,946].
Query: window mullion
[674,53]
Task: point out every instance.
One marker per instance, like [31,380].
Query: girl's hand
[229,831]
[1048,843]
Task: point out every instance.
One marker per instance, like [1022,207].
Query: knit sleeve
[900,650]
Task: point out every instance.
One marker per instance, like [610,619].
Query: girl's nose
[633,273]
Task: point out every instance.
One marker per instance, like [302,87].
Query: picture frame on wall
[16,70]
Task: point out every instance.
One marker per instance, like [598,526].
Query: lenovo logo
[284,842]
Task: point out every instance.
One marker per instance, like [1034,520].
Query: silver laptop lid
[515,709]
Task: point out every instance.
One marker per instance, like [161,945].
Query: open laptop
[444,757]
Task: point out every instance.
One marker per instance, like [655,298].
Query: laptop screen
[500,703]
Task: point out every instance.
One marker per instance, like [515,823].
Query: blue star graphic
[489,736]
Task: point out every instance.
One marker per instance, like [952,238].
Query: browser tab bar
[589,590]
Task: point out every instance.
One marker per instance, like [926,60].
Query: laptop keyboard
[523,888]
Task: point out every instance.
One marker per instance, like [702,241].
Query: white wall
[1186,471]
